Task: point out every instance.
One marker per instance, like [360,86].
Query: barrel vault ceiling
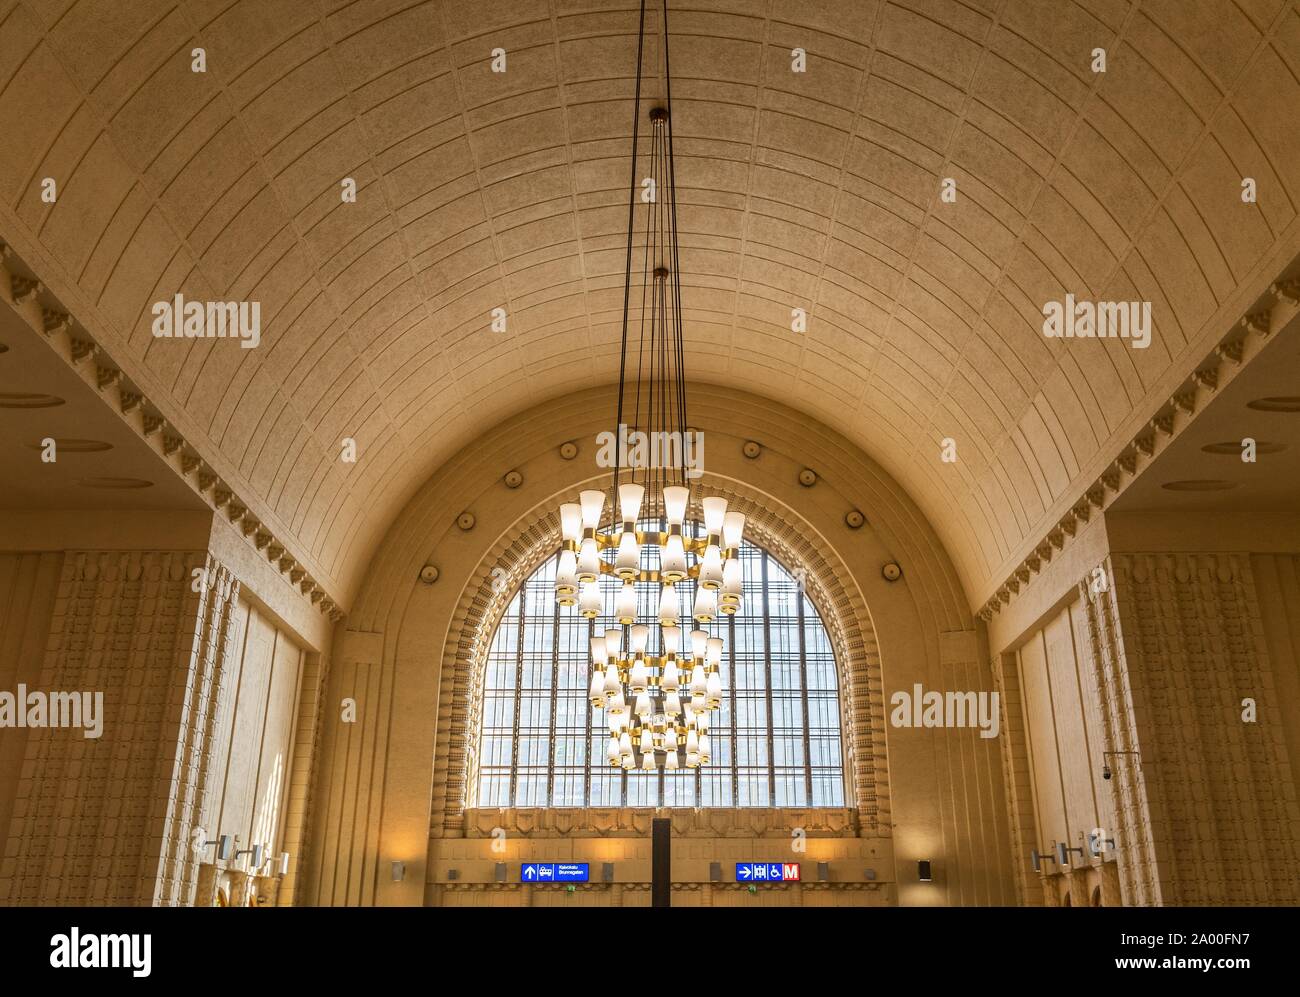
[817,190]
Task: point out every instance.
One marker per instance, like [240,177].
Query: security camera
[1105,771]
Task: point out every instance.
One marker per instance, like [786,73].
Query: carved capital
[1207,377]
[53,320]
[152,423]
[171,444]
[189,462]
[1257,322]
[1289,289]
[128,401]
[1231,350]
[106,377]
[24,288]
[261,539]
[1185,400]
[1146,443]
[206,480]
[81,348]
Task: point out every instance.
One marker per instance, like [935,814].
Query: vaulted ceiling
[817,190]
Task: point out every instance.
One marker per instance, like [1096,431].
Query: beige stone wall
[208,718]
[396,777]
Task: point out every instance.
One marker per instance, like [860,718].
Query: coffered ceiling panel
[817,190]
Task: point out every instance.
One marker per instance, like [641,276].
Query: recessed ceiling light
[1234,448]
[1199,485]
[1278,403]
[21,399]
[115,483]
[74,446]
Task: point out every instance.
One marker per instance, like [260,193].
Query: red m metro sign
[767,872]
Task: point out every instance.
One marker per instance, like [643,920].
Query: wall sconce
[923,871]
[399,870]
[1039,859]
[1105,767]
[223,845]
[1098,843]
[257,852]
[1063,854]
[281,865]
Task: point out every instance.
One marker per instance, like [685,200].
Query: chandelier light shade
[657,674]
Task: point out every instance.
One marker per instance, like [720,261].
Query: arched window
[776,739]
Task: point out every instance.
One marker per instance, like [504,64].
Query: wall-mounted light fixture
[1098,843]
[281,865]
[1063,854]
[258,852]
[1105,767]
[223,844]
[399,870]
[1038,859]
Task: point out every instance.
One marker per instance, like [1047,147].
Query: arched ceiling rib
[817,190]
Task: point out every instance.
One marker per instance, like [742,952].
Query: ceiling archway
[817,190]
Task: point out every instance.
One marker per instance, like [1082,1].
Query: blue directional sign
[554,872]
[767,872]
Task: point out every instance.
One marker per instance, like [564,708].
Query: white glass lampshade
[714,510]
[671,677]
[702,723]
[706,605]
[629,501]
[733,529]
[675,499]
[612,753]
[588,560]
[625,605]
[597,694]
[699,704]
[589,600]
[566,574]
[613,642]
[672,560]
[713,651]
[672,639]
[640,636]
[733,585]
[628,761]
[571,521]
[699,643]
[597,648]
[672,704]
[593,504]
[699,682]
[713,690]
[704,749]
[692,760]
[616,724]
[692,742]
[711,567]
[647,742]
[642,705]
[648,761]
[638,678]
[668,607]
[625,744]
[611,681]
[627,562]
[670,761]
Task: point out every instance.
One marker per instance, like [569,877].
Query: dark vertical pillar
[661,858]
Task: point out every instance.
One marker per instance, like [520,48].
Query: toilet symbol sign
[767,872]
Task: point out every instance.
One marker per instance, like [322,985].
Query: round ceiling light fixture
[115,484]
[74,446]
[25,399]
[1276,403]
[1199,485]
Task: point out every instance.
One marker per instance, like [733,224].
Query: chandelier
[658,681]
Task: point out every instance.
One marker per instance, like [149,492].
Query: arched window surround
[771,525]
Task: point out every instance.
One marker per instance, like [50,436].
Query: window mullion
[519,687]
[555,687]
[767,668]
[803,692]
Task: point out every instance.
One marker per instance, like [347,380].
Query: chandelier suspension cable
[627,270]
[657,683]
